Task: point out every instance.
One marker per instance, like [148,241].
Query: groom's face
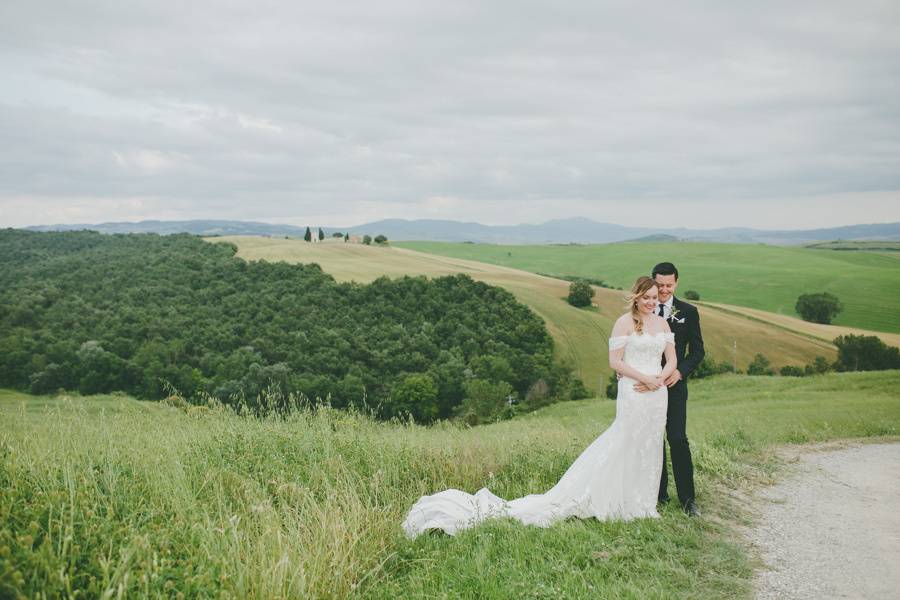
[666,285]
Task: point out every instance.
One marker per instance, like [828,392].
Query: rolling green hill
[580,335]
[755,276]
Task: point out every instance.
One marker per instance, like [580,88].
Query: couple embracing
[653,347]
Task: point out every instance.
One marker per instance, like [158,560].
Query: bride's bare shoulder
[623,325]
[626,318]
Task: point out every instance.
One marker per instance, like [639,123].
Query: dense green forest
[141,312]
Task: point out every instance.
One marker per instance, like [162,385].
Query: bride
[617,476]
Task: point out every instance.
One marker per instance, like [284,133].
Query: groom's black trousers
[676,432]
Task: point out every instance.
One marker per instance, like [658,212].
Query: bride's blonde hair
[639,288]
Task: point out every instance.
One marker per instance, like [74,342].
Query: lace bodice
[644,351]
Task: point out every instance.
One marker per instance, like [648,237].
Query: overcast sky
[699,114]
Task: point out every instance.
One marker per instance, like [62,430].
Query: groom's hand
[674,378]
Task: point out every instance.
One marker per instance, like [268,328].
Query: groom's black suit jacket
[685,324]
[688,339]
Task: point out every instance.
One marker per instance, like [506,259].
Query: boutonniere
[673,316]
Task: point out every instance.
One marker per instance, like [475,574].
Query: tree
[692,295]
[580,294]
[321,234]
[818,308]
[380,239]
[346,237]
[416,394]
[337,234]
[865,353]
[103,317]
[308,235]
[367,239]
[760,366]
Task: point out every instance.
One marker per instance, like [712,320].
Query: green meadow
[110,497]
[756,276]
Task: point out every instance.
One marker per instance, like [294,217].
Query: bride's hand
[652,383]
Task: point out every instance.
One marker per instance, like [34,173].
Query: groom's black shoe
[690,508]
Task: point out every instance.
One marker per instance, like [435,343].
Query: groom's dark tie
[662,310]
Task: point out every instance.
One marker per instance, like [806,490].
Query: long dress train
[616,477]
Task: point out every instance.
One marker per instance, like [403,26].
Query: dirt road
[831,529]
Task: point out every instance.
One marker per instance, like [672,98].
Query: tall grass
[109,497]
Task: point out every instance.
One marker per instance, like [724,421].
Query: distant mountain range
[560,231]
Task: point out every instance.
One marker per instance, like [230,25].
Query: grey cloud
[430,109]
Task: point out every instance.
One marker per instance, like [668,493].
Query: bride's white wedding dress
[616,477]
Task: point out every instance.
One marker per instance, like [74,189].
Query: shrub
[792,371]
[612,388]
[818,308]
[486,401]
[367,239]
[819,366]
[865,353]
[691,295]
[578,391]
[380,239]
[709,367]
[760,366]
[538,394]
[580,294]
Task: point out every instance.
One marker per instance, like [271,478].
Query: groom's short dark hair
[665,268]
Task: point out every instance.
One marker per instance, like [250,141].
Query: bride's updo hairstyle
[639,288]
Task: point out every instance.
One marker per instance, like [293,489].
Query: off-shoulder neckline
[612,337]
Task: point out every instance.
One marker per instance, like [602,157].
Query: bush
[760,366]
[865,353]
[818,367]
[591,280]
[486,401]
[580,294]
[709,367]
[612,388]
[818,308]
[367,239]
[691,295]
[380,239]
[792,371]
[578,391]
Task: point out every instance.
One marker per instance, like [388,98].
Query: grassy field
[768,278]
[110,497]
[580,335]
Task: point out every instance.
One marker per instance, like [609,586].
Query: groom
[684,320]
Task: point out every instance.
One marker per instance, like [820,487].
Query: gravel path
[832,528]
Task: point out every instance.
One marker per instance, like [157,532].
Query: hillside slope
[580,335]
[767,278]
